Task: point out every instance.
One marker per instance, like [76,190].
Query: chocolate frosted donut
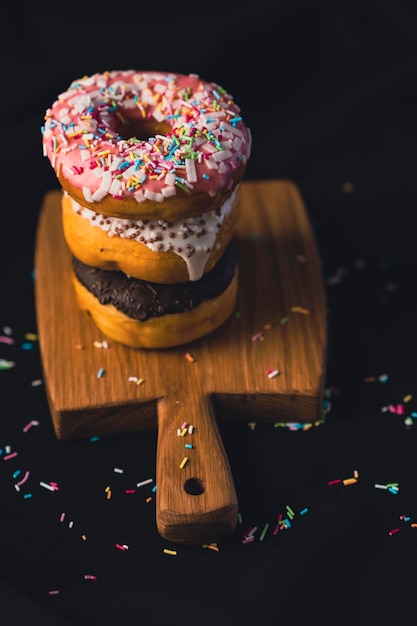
[142,314]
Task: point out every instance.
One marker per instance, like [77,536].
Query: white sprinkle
[47,486]
[144,482]
[273,373]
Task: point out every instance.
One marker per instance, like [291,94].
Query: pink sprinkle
[130,491]
[118,545]
[334,482]
[90,577]
[29,425]
[257,337]
[8,340]
[62,517]
[393,531]
[276,529]
[10,456]
[398,409]
[24,479]
[54,592]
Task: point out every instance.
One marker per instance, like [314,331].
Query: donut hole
[141,128]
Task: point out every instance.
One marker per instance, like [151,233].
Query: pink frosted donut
[146,145]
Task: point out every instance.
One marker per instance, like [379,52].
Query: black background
[328,90]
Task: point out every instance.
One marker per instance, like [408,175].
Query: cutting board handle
[196,500]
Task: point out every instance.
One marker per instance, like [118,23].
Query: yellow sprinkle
[350,481]
[184,431]
[31,336]
[172,552]
[120,116]
[140,381]
[103,152]
[299,309]
[183,462]
[407,398]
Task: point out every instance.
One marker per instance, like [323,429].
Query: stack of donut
[150,165]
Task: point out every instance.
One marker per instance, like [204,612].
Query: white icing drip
[192,238]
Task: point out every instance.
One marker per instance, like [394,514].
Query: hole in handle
[194,487]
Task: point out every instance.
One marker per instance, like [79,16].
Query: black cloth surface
[329,91]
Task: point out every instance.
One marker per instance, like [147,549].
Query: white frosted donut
[153,250]
[149,145]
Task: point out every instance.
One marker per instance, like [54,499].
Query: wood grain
[279,269]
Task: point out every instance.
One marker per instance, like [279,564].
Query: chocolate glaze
[141,300]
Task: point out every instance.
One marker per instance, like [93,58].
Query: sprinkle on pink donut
[203,141]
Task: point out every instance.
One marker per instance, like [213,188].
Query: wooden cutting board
[279,326]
